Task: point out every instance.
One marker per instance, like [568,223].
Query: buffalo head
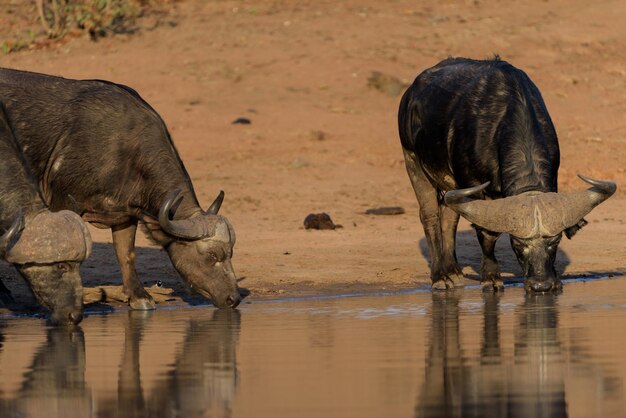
[47,249]
[201,248]
[535,222]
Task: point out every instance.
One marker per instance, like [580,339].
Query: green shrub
[96,17]
[41,23]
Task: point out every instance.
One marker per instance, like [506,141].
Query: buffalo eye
[212,258]
[63,267]
[217,255]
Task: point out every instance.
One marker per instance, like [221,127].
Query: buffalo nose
[542,286]
[75,317]
[233,301]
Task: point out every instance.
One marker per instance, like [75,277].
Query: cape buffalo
[45,247]
[483,126]
[99,149]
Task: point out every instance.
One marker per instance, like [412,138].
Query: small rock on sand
[319,221]
[242,121]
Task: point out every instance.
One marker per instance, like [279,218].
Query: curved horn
[526,215]
[455,196]
[477,211]
[192,228]
[510,214]
[7,238]
[606,187]
[217,203]
[581,203]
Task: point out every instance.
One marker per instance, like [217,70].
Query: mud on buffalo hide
[51,237]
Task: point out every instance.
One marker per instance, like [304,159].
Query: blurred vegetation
[97,17]
[42,22]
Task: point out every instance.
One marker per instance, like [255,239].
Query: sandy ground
[321,139]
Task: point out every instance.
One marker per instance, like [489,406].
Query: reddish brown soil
[322,140]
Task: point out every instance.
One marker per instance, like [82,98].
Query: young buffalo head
[47,249]
[535,222]
[201,248]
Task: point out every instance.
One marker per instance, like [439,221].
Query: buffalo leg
[449,221]
[131,402]
[489,272]
[429,216]
[5,295]
[124,243]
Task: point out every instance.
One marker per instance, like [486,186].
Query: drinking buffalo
[99,149]
[45,247]
[482,126]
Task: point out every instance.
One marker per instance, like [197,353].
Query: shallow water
[418,354]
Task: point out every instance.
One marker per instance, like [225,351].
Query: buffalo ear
[571,231]
[74,206]
[154,230]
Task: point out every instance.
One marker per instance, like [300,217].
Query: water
[420,354]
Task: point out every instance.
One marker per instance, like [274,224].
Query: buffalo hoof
[490,280]
[457,279]
[492,285]
[142,304]
[443,284]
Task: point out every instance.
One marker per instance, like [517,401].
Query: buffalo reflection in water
[202,382]
[530,384]
[55,385]
[204,379]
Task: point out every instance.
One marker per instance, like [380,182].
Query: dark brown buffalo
[482,126]
[46,247]
[99,149]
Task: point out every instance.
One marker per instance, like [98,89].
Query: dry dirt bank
[299,68]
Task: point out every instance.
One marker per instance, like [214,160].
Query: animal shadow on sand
[469,254]
[153,265]
[154,268]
